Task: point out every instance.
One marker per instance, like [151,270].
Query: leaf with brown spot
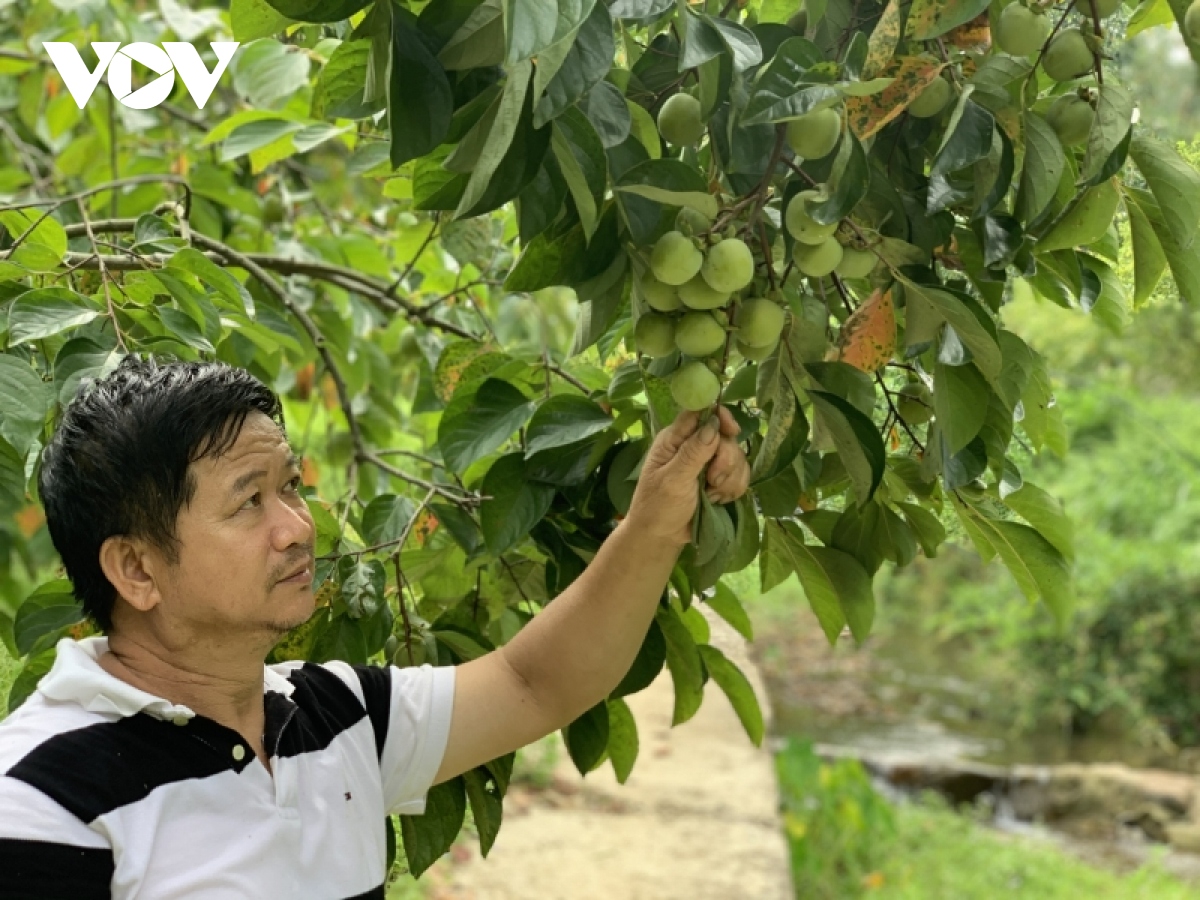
[868,338]
[975,35]
[883,41]
[928,19]
[424,527]
[911,74]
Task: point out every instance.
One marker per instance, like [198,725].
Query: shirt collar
[77,677]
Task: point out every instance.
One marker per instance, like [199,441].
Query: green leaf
[1149,259]
[319,10]
[339,90]
[533,25]
[267,71]
[729,678]
[783,90]
[213,276]
[743,46]
[386,517]
[24,402]
[1042,169]
[1185,265]
[27,679]
[487,806]
[429,836]
[420,102]
[44,616]
[1046,514]
[847,185]
[857,440]
[44,312]
[928,19]
[564,419]
[1150,14]
[580,157]
[1174,183]
[514,506]
[499,137]
[1114,117]
[724,603]
[970,327]
[81,358]
[586,59]
[252,19]
[587,738]
[704,203]
[683,661]
[960,401]
[968,138]
[622,739]
[1039,569]
[479,42]
[48,236]
[745,535]
[928,529]
[646,665]
[477,422]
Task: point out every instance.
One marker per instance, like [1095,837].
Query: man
[165,761]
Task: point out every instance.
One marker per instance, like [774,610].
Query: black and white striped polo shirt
[108,791]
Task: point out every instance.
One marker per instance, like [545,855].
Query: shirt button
[180,720]
[239,753]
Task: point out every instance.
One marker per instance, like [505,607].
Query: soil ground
[697,820]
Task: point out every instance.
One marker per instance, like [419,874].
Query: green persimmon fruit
[675,259]
[818,261]
[654,335]
[1191,21]
[1103,8]
[755,354]
[932,100]
[759,322]
[691,222]
[679,120]
[815,134]
[698,294]
[915,404]
[1086,222]
[800,224]
[694,385]
[273,210]
[659,296]
[1068,57]
[728,266]
[699,334]
[1071,118]
[856,263]
[1020,31]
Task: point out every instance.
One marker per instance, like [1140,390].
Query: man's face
[246,530]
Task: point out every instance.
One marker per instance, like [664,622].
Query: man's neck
[215,680]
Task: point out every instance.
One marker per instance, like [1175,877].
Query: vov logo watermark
[165,61]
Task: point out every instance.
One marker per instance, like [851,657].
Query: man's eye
[295,483]
[253,499]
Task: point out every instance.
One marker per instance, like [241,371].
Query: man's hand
[666,496]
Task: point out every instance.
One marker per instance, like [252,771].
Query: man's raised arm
[578,649]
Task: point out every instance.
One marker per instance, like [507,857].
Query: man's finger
[698,449]
[729,424]
[671,438]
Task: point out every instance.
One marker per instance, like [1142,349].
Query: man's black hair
[118,463]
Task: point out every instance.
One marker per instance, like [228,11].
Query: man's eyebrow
[244,481]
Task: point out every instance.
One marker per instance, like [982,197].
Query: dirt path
[697,820]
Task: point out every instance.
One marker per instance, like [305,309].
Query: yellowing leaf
[911,75]
[868,338]
[883,41]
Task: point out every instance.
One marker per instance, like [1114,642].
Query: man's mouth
[301,575]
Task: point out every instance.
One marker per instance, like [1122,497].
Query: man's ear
[130,565]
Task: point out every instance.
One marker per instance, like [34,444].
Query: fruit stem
[1057,25]
[1099,32]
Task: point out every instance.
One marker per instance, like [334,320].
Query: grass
[848,842]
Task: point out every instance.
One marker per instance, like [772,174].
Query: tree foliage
[813,214]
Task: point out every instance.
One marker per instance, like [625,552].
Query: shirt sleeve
[46,852]
[410,710]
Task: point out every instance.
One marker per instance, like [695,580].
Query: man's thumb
[699,447]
